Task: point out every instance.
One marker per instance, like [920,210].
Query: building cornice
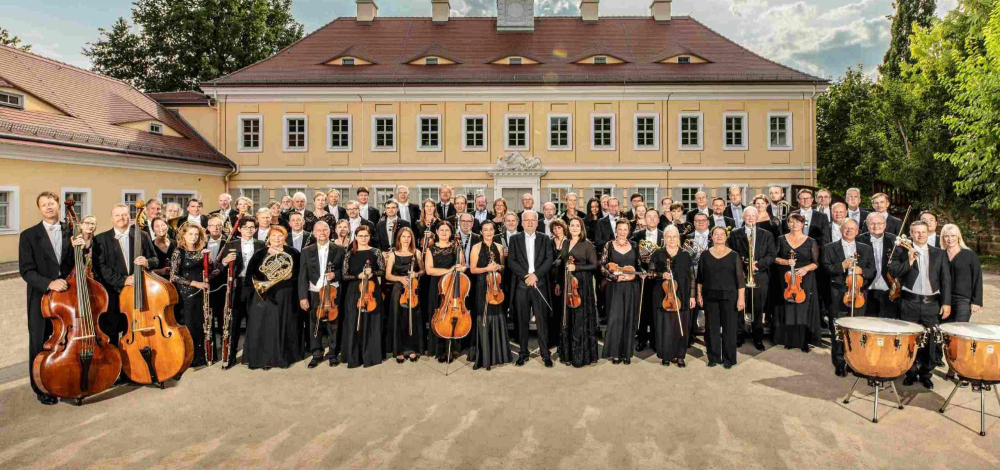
[13,151]
[618,168]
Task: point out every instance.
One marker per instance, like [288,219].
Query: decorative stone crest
[517,164]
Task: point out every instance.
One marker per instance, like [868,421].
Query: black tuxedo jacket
[235,246]
[862,219]
[727,220]
[517,260]
[729,211]
[412,209]
[888,241]
[233,214]
[604,231]
[373,213]
[110,262]
[309,268]
[833,255]
[693,212]
[819,228]
[473,239]
[36,261]
[442,214]
[640,235]
[939,271]
[176,223]
[765,250]
[284,218]
[307,239]
[370,225]
[382,240]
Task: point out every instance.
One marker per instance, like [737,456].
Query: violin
[154,347]
[629,272]
[573,299]
[794,292]
[366,303]
[895,287]
[494,293]
[77,360]
[410,299]
[853,297]
[327,308]
[670,302]
[452,320]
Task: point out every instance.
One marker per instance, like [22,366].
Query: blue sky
[822,37]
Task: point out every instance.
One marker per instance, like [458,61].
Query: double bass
[154,347]
[77,360]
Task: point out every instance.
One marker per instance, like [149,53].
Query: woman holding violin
[578,317]
[491,342]
[441,259]
[362,322]
[797,310]
[673,298]
[721,289]
[163,245]
[560,243]
[406,322]
[619,262]
[274,322]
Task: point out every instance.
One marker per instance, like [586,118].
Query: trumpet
[276,267]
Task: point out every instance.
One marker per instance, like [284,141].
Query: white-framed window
[599,191]
[81,198]
[517,135]
[560,132]
[515,61]
[647,131]
[687,196]
[556,194]
[251,132]
[648,193]
[382,195]
[295,133]
[470,193]
[10,220]
[11,100]
[602,131]
[338,133]
[347,61]
[689,131]
[179,196]
[779,130]
[131,197]
[255,194]
[475,134]
[290,191]
[734,131]
[427,192]
[156,128]
[384,133]
[601,60]
[429,133]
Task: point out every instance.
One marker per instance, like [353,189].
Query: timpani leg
[894,392]
[946,402]
[851,393]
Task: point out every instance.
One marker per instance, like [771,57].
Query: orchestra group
[345,282]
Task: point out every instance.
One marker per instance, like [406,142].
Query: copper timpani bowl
[972,350]
[878,348]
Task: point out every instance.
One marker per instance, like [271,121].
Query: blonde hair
[952,229]
[198,244]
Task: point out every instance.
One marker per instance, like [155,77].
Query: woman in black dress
[622,295]
[442,258]
[672,330]
[188,275]
[578,342]
[274,324]
[764,219]
[591,217]
[163,246]
[319,213]
[406,325]
[342,234]
[491,343]
[797,324]
[966,276]
[721,287]
[362,340]
[560,242]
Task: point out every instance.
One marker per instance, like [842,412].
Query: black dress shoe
[727,365]
[926,382]
[400,360]
[840,372]
[313,363]
[665,363]
[229,365]
[334,362]
[199,363]
[909,381]
[806,348]
[47,399]
[441,359]
[267,368]
[759,345]
[627,360]
[640,346]
[547,361]
[712,363]
[520,361]
[681,363]
[414,358]
[616,361]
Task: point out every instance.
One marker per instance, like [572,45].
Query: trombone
[751,282]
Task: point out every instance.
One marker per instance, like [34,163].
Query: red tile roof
[180,98]
[93,105]
[474,42]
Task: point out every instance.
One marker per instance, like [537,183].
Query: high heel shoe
[400,360]
[414,358]
[616,361]
[680,363]
[627,360]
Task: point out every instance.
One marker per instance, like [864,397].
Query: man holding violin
[844,260]
[321,263]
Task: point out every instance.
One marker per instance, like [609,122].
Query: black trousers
[926,315]
[880,306]
[837,310]
[645,331]
[39,330]
[528,301]
[241,304]
[720,330]
[326,328]
[759,297]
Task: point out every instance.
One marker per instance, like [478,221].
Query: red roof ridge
[64,64]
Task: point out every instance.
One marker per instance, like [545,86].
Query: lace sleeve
[379,269]
[176,263]
[604,262]
[346,270]
[815,253]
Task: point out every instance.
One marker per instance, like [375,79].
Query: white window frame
[569,135]
[601,60]
[680,196]
[787,187]
[421,187]
[20,99]
[155,128]
[527,131]
[789,125]
[745,188]
[373,197]
[614,132]
[284,133]
[465,133]
[140,192]
[329,133]
[701,131]
[345,60]
[263,202]
[656,194]
[560,205]
[420,136]
[395,133]
[87,203]
[743,131]
[260,133]
[610,187]
[13,210]
[656,132]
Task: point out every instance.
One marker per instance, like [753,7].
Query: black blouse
[967,276]
[720,278]
[682,269]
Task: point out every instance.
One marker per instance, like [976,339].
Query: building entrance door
[513,197]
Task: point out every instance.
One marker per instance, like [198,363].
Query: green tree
[908,13]
[840,163]
[177,45]
[8,39]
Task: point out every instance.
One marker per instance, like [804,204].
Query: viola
[77,360]
[452,320]
[794,292]
[494,293]
[154,347]
[670,302]
[853,297]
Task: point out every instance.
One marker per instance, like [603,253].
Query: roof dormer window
[601,60]
[684,59]
[348,61]
[11,100]
[156,128]
[515,61]
[431,61]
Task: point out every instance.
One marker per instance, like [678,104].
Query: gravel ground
[776,409]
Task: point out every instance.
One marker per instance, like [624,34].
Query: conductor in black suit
[297,236]
[925,275]
[765,250]
[321,265]
[44,259]
[530,269]
[115,262]
[837,259]
[243,290]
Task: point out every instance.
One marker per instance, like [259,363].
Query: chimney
[588,10]
[660,10]
[515,16]
[367,11]
[442,10]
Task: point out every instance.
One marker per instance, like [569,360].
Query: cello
[452,319]
[154,347]
[794,292]
[77,360]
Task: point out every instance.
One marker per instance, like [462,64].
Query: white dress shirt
[262,234]
[701,238]
[923,284]
[246,246]
[122,238]
[390,227]
[856,215]
[529,248]
[548,225]
[355,223]
[931,238]
[835,234]
[849,248]
[651,236]
[324,252]
[878,245]
[481,216]
[297,240]
[720,220]
[214,246]
[194,219]
[55,238]
[737,214]
[808,214]
[404,211]
[363,211]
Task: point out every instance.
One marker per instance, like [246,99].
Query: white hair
[299,195]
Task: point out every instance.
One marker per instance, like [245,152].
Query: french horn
[646,250]
[276,267]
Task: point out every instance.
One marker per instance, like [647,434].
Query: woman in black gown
[442,258]
[188,275]
[560,243]
[797,324]
[491,343]
[406,325]
[362,340]
[591,217]
[721,289]
[163,246]
[274,323]
[622,295]
[319,213]
[672,330]
[578,341]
